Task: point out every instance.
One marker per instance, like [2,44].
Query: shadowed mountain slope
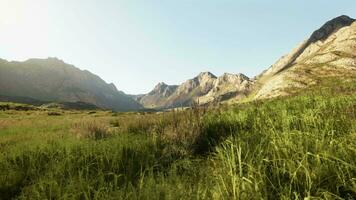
[53,80]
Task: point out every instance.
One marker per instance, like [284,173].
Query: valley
[287,133]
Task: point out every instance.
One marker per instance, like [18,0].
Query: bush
[92,130]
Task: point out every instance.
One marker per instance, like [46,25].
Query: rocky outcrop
[163,89]
[202,89]
[187,93]
[156,98]
[52,80]
[329,51]
[226,87]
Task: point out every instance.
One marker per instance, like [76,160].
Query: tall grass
[300,147]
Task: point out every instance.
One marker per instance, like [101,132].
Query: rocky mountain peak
[309,46]
[330,27]
[329,51]
[163,89]
[204,79]
[230,79]
[204,75]
[160,85]
[203,88]
[229,76]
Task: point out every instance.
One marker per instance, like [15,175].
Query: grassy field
[298,147]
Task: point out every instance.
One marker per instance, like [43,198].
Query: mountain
[329,52]
[202,89]
[228,86]
[190,90]
[158,96]
[52,80]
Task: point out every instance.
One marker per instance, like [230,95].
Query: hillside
[329,52]
[53,80]
[158,96]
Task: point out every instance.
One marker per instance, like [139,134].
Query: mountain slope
[329,52]
[158,96]
[53,80]
[202,89]
[226,87]
[187,92]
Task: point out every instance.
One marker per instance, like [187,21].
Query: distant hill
[52,80]
[202,89]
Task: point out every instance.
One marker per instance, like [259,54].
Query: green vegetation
[299,147]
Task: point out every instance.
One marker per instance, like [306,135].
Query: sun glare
[11,12]
[24,25]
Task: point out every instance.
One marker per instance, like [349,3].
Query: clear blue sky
[138,43]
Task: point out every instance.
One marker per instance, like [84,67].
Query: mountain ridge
[320,34]
[52,79]
[330,50]
[290,71]
[202,89]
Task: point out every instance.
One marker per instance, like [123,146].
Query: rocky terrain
[52,80]
[158,96]
[329,51]
[202,89]
[227,86]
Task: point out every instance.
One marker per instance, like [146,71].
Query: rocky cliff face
[53,80]
[163,89]
[157,97]
[226,87]
[329,51]
[187,93]
[202,89]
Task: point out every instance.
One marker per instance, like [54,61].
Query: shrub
[92,130]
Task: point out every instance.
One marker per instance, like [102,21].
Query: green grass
[298,147]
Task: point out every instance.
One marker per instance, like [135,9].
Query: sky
[137,43]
